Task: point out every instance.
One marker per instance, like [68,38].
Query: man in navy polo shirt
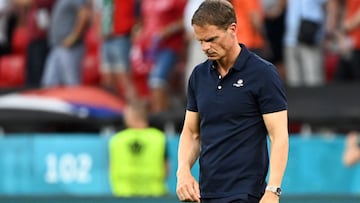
[235,100]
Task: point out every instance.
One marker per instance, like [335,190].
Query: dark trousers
[37,52]
[349,68]
[243,198]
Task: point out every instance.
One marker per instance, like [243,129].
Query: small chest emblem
[239,83]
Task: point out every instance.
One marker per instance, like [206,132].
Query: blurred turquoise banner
[77,164]
[53,164]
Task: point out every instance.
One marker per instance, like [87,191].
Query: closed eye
[212,39]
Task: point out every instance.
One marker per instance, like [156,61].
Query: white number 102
[68,168]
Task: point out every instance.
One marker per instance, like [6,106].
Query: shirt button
[219,76]
[219,87]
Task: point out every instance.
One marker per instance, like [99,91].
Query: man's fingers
[195,191]
[189,193]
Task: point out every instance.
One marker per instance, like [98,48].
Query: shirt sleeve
[191,99]
[271,96]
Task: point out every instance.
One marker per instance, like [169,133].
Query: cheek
[226,46]
[219,48]
[223,44]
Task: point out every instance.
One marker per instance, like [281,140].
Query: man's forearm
[82,22]
[188,152]
[278,160]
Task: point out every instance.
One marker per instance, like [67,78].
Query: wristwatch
[274,189]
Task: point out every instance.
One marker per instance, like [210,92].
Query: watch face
[278,191]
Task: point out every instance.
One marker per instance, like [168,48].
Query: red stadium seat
[331,62]
[92,40]
[20,41]
[140,70]
[12,71]
[91,69]
[91,60]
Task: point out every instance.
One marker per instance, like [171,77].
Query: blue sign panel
[72,165]
[15,162]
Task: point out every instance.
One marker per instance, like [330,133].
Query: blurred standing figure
[70,20]
[251,29]
[307,23]
[274,22]
[118,20]
[7,26]
[38,22]
[138,156]
[349,43]
[161,38]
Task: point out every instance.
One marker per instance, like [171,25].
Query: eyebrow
[209,39]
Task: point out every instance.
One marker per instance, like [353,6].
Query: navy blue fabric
[241,198]
[234,157]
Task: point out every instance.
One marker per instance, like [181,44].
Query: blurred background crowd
[144,49]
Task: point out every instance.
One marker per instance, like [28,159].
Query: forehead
[206,31]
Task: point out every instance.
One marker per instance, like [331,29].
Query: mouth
[210,54]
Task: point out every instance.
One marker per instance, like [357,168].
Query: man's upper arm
[191,124]
[276,123]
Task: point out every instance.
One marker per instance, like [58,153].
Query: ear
[233,28]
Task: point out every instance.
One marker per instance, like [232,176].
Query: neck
[139,125]
[226,63]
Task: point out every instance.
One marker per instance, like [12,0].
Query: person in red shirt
[349,43]
[161,40]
